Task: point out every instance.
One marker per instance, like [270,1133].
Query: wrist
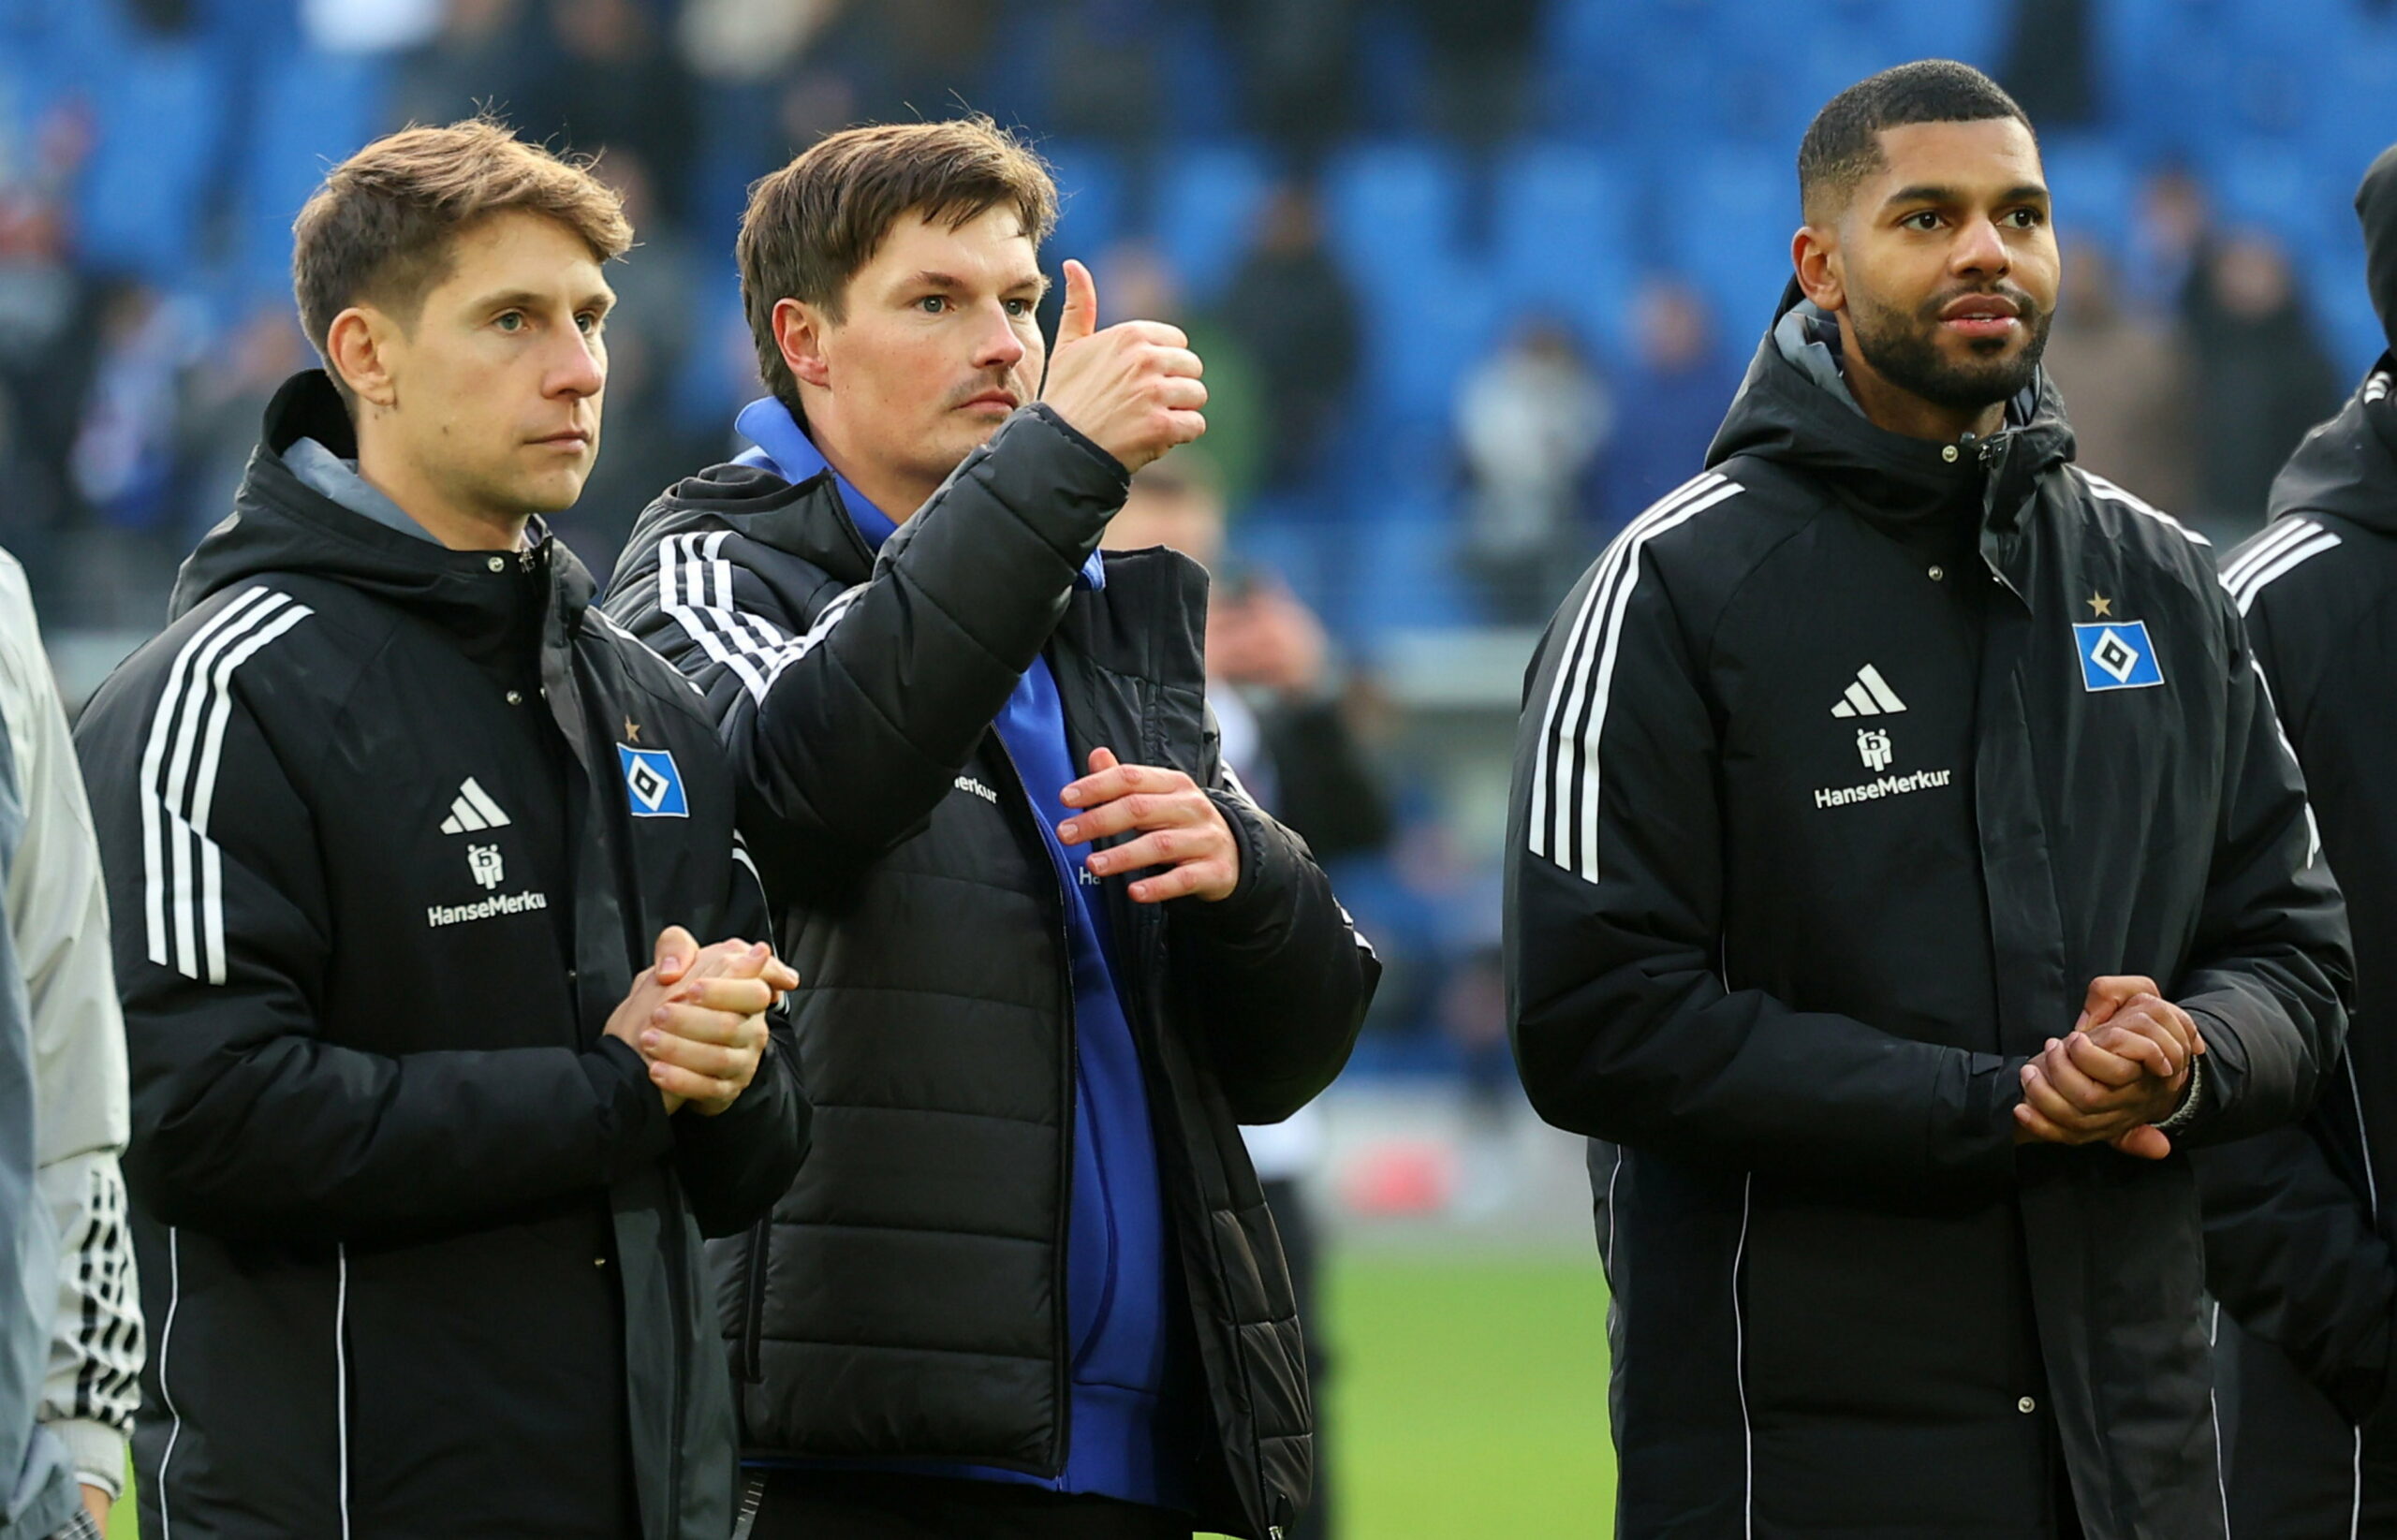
[2192,1098]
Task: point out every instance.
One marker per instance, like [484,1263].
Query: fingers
[2145,1142]
[1140,809]
[1114,779]
[1210,877]
[781,974]
[682,1085]
[705,1042]
[1079,317]
[1162,847]
[729,998]
[2118,1059]
[676,947]
[2031,1120]
[2039,1092]
[1101,758]
[2149,1041]
[2109,993]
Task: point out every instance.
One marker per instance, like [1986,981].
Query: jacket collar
[2347,467]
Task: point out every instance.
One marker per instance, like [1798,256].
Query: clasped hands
[2124,1069]
[696,1015]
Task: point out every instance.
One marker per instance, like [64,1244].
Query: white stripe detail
[340,1379]
[1739,1365]
[2363,1138]
[1883,696]
[676,597]
[826,618]
[1595,675]
[192,713]
[2280,731]
[2355,1514]
[2273,541]
[2262,577]
[165,1390]
[740,853]
[1567,662]
[2213,1415]
[492,814]
[753,648]
[2112,493]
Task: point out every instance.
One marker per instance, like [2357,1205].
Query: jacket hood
[280,524]
[2376,211]
[1793,410]
[2348,465]
[804,519]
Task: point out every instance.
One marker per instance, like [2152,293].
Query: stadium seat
[1393,216]
[1565,238]
[2258,182]
[1090,196]
[1206,201]
[312,110]
[159,113]
[2093,189]
[1726,222]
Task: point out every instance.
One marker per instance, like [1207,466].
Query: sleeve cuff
[633,1117]
[99,1451]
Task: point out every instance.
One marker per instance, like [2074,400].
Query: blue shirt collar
[782,447]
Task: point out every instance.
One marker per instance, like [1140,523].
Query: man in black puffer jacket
[1027,1283]
[2298,1220]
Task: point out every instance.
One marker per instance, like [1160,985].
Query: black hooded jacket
[1841,774]
[908,1299]
[388,829]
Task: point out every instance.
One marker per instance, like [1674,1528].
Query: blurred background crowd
[1474,280]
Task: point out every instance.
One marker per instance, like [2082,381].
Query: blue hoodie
[1125,1437]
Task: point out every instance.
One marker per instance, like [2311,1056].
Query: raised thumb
[677,949]
[1081,316]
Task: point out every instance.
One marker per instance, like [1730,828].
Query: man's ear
[1815,252]
[361,348]
[798,332]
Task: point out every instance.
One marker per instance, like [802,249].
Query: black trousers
[867,1506]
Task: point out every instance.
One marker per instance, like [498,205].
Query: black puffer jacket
[909,1299]
[1840,776]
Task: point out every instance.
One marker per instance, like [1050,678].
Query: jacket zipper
[1060,1271]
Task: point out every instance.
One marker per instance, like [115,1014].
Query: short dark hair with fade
[1843,145]
[811,226]
[381,228]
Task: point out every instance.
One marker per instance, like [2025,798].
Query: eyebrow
[2022,192]
[948,282]
[525,299]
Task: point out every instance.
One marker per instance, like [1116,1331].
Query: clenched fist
[1133,390]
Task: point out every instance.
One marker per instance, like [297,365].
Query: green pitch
[1470,1399]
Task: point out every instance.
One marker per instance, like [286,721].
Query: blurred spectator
[225,398]
[1480,52]
[2169,239]
[737,40]
[917,60]
[610,83]
[1294,311]
[2128,383]
[1103,78]
[48,326]
[1137,282]
[1531,423]
[2266,379]
[1296,62]
[371,26]
[1680,383]
[483,56]
[2048,67]
[123,454]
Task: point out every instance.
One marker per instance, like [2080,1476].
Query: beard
[1904,348]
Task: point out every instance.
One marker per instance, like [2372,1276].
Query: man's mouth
[1980,316]
[1003,401]
[572,438]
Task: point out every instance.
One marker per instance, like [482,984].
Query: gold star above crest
[632,731]
[2099,605]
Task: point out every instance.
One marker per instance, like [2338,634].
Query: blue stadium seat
[1402,566]
[2094,188]
[1725,222]
[2341,306]
[1394,221]
[312,110]
[2258,182]
[1565,238]
[1205,202]
[160,120]
[1090,200]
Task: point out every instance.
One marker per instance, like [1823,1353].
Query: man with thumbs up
[1028,1284]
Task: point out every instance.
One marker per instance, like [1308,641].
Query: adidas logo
[2376,388]
[1870,695]
[473,811]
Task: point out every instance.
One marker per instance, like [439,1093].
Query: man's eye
[932,305]
[1019,307]
[510,320]
[2026,219]
[589,322]
[1926,220]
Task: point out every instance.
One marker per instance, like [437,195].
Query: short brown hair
[381,227]
[811,226]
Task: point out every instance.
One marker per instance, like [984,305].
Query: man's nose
[997,345]
[579,369]
[1979,248]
